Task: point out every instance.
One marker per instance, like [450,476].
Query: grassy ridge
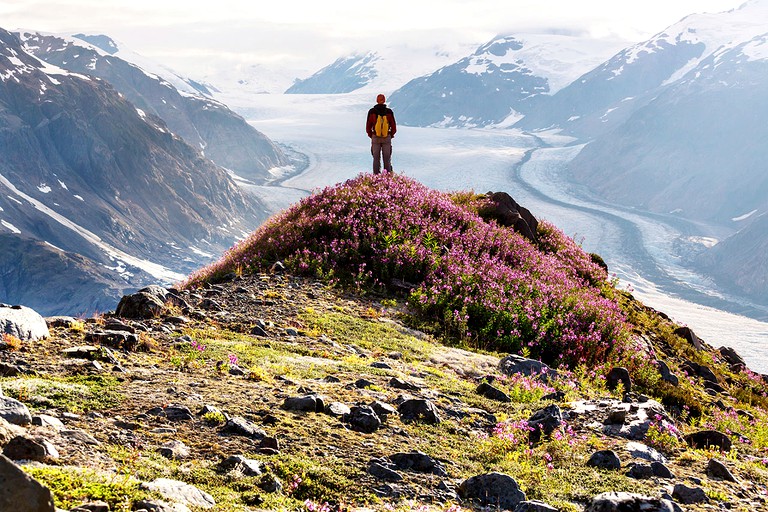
[479,282]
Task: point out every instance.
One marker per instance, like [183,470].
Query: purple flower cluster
[480,281]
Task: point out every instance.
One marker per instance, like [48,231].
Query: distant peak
[100,41]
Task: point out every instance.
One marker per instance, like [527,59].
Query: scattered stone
[514,364]
[617,416]
[290,331]
[175,450]
[666,373]
[619,375]
[66,322]
[246,466]
[14,411]
[495,489]
[492,393]
[337,409]
[379,468]
[418,461]
[116,339]
[689,495]
[605,459]
[640,471]
[9,370]
[381,365]
[660,470]
[44,420]
[23,323]
[92,506]
[27,448]
[148,302]
[240,426]
[716,469]
[270,483]
[363,419]
[419,409]
[269,443]
[257,330]
[363,383]
[544,421]
[688,335]
[20,492]
[159,506]
[306,403]
[79,436]
[534,506]
[178,413]
[180,492]
[502,208]
[730,355]
[401,384]
[705,438]
[628,502]
[382,410]
[555,396]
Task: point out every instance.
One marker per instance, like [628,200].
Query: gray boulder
[716,469]
[23,323]
[689,495]
[513,364]
[419,409]
[179,492]
[628,502]
[148,302]
[494,489]
[20,492]
[534,506]
[605,459]
[13,411]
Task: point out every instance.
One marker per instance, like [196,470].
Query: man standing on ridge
[380,127]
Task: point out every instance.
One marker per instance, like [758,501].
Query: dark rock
[21,493]
[688,335]
[619,375]
[248,467]
[716,469]
[605,459]
[379,469]
[116,339]
[148,302]
[556,396]
[306,403]
[544,421]
[534,506]
[271,443]
[271,484]
[418,461]
[22,322]
[616,416]
[660,470]
[666,373]
[175,450]
[419,409]
[627,502]
[9,370]
[733,358]
[13,411]
[211,305]
[26,448]
[492,392]
[401,384]
[113,324]
[381,365]
[640,471]
[363,383]
[689,495]
[66,322]
[257,330]
[505,210]
[363,419]
[494,489]
[382,410]
[705,438]
[242,427]
[178,413]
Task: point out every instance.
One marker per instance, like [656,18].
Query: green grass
[74,394]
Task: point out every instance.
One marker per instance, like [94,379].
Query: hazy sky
[260,31]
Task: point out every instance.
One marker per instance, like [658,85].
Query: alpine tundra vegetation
[384,346]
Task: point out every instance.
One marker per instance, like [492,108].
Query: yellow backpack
[382,126]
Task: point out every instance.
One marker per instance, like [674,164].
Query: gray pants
[381,146]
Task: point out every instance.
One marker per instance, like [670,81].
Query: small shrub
[11,342]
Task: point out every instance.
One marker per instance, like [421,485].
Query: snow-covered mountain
[500,82]
[98,195]
[692,145]
[346,74]
[209,125]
